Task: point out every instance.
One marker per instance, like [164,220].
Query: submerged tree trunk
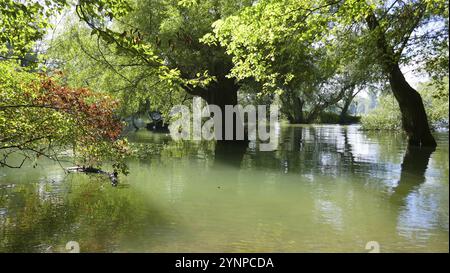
[293,108]
[296,115]
[298,111]
[414,117]
[344,110]
[221,93]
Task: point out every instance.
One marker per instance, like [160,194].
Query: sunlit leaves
[187,3]
[40,117]
[387,116]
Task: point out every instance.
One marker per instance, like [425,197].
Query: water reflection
[230,152]
[331,150]
[323,188]
[87,212]
[420,209]
[413,168]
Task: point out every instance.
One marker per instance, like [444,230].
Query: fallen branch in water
[87,170]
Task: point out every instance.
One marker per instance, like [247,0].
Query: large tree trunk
[344,111]
[414,117]
[298,111]
[295,114]
[293,108]
[222,92]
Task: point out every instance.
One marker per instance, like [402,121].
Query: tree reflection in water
[414,166]
[43,217]
[326,188]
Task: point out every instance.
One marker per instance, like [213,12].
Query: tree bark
[222,92]
[298,111]
[414,117]
[344,112]
[293,108]
[296,116]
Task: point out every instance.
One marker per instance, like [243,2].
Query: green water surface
[322,189]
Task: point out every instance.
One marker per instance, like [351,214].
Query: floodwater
[322,189]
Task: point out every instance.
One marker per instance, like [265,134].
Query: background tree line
[311,57]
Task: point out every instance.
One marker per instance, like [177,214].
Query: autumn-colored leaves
[92,111]
[40,116]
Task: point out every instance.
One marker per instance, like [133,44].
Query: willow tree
[164,37]
[88,61]
[388,35]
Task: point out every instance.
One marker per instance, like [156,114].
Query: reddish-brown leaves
[94,112]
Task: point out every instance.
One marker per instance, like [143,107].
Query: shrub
[40,117]
[386,116]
